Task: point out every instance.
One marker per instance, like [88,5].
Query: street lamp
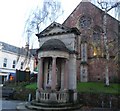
[104,6]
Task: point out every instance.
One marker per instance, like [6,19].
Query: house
[13,58]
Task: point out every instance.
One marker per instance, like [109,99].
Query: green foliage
[115,79]
[97,87]
[90,87]
[31,86]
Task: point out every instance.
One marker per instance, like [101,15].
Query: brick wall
[96,67]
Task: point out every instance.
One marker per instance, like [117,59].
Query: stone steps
[53,107]
[51,104]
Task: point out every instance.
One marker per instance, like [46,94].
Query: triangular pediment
[55,28]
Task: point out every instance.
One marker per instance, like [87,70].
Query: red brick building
[89,20]
[75,49]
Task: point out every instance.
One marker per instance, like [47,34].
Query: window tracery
[85,21]
[97,30]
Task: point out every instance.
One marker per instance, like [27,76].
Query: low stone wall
[23,94]
[99,100]
[54,96]
[62,96]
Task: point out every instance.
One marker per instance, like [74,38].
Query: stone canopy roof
[61,29]
[53,44]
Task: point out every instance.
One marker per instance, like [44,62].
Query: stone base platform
[52,106]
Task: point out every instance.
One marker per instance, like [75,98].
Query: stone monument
[57,75]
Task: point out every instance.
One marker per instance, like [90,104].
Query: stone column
[54,76]
[85,51]
[40,75]
[82,52]
[62,75]
[66,75]
[45,74]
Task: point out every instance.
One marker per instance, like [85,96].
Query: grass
[89,87]
[31,86]
[97,87]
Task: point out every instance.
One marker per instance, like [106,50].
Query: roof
[53,44]
[14,49]
[82,3]
[55,29]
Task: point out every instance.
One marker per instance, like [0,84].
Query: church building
[79,42]
[74,51]
[88,19]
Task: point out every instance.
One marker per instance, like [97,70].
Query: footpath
[21,107]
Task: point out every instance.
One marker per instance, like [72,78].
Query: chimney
[27,46]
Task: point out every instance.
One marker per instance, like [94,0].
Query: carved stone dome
[53,44]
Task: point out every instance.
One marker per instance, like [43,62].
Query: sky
[13,14]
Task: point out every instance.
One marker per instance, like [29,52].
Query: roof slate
[17,50]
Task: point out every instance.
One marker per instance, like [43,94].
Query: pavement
[10,105]
[21,107]
[14,105]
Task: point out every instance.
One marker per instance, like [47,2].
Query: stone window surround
[85,21]
[84,52]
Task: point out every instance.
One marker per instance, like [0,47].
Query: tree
[105,5]
[112,4]
[43,14]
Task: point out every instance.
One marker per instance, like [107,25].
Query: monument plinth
[56,71]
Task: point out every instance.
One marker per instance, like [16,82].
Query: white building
[12,58]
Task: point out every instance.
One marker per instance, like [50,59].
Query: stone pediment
[53,29]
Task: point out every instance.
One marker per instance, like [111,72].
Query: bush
[115,79]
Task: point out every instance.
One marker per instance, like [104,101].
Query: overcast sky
[13,14]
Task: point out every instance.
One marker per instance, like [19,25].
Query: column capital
[54,57]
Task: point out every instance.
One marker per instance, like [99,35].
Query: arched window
[97,34]
[85,21]
[84,52]
[97,40]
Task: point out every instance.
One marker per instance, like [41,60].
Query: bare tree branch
[48,13]
[45,14]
